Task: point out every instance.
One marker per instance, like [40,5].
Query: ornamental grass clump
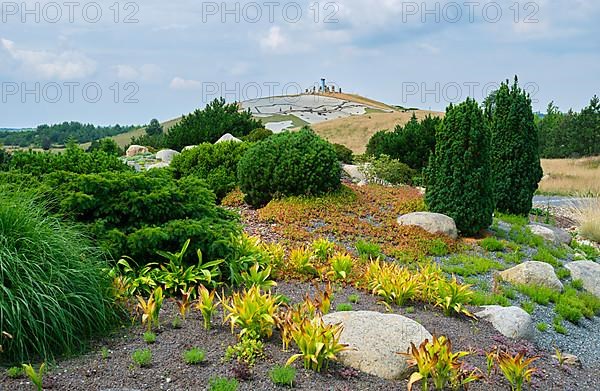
[54,294]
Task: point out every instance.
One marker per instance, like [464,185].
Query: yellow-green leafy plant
[248,349]
[428,277]
[302,261]
[184,302]
[452,297]
[206,304]
[323,249]
[319,343]
[252,311]
[257,276]
[36,377]
[516,369]
[150,308]
[341,266]
[174,276]
[435,360]
[275,252]
[395,284]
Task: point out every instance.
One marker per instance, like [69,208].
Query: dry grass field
[571,176]
[355,132]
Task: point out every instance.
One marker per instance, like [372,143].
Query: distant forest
[45,136]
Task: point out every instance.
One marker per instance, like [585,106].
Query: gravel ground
[169,372]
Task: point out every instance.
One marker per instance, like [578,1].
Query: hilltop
[342,118]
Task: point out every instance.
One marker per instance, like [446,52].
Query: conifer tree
[514,149]
[459,172]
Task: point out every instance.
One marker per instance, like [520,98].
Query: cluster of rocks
[141,158]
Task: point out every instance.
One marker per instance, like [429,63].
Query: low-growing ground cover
[353,214]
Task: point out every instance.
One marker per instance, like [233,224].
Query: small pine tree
[514,149]
[459,173]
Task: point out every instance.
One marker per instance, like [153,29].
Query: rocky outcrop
[355,174]
[166,155]
[228,137]
[434,223]
[135,150]
[551,234]
[512,322]
[375,339]
[532,273]
[588,272]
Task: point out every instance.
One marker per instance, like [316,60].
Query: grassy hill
[353,132]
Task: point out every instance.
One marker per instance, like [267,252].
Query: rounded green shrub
[54,294]
[290,163]
[216,164]
[344,154]
[459,178]
[258,135]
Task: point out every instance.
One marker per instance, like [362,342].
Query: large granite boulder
[588,272]
[512,322]
[375,339]
[166,155]
[355,174]
[228,137]
[135,150]
[532,273]
[551,234]
[434,223]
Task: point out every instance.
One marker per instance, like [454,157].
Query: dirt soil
[169,372]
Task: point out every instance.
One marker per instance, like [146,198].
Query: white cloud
[63,65]
[146,72]
[179,83]
[274,40]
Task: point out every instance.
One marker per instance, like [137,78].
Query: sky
[107,62]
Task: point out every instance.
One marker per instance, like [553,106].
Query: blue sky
[128,62]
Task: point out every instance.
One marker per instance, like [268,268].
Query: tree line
[45,136]
[570,134]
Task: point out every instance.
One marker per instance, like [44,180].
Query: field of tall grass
[571,176]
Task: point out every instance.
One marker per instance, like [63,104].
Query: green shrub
[344,307]
[344,154]
[222,384]
[210,124]
[469,265]
[544,255]
[459,179]
[54,294]
[283,375]
[298,163]
[436,247]
[480,298]
[539,294]
[368,250]
[14,372]
[194,356]
[412,143]
[149,337]
[514,150]
[491,244]
[73,159]
[528,307]
[142,357]
[136,214]
[542,327]
[258,135]
[353,298]
[390,170]
[215,163]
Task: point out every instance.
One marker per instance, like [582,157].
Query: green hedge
[136,214]
[216,164]
[296,163]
